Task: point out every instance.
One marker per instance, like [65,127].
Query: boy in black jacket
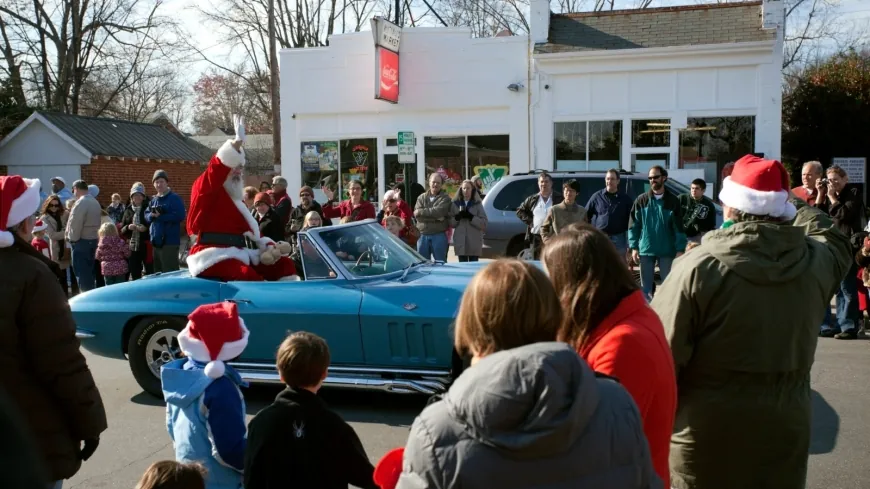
[298,441]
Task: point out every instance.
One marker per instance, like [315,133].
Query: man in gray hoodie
[82,228]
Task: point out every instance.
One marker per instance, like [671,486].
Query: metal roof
[124,139]
[656,27]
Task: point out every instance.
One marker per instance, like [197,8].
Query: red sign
[386,75]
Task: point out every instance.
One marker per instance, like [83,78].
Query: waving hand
[239,125]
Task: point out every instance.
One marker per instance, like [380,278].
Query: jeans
[166,258]
[115,279]
[83,252]
[464,258]
[826,323]
[848,315]
[56,485]
[620,241]
[433,246]
[648,272]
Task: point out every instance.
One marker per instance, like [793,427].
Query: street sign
[407,148]
[855,168]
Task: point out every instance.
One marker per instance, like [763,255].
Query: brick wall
[115,176]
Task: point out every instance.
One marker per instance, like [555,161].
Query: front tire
[152,344]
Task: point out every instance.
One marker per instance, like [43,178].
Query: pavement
[137,421]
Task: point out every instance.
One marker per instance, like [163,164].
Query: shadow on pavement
[825,427]
[145,399]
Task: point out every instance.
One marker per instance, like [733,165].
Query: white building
[690,88]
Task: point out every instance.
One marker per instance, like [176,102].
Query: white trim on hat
[22,207]
[39,227]
[229,156]
[757,202]
[196,350]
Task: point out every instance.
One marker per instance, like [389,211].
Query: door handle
[238,301]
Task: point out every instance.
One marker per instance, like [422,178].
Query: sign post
[407,148]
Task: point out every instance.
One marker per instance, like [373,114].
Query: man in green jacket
[742,312]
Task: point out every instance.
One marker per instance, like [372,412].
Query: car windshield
[368,250]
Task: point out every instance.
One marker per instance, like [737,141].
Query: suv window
[514,193]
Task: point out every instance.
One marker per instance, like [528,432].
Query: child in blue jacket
[205,410]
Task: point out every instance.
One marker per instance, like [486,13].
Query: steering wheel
[361,256]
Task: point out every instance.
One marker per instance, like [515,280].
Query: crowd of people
[577,376]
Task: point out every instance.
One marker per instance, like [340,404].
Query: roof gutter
[658,52]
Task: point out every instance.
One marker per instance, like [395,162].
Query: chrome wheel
[526,255]
[161,349]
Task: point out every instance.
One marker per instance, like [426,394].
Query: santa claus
[228,245]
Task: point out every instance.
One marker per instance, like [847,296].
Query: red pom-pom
[389,468]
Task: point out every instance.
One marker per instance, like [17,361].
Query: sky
[205,38]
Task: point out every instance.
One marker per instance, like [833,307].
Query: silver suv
[505,233]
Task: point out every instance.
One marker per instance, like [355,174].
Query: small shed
[109,153]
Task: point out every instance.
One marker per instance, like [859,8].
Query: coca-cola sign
[386,75]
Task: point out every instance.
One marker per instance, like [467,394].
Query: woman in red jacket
[355,207]
[610,324]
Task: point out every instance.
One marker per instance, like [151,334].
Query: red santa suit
[213,211]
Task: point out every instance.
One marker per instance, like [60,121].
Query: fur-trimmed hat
[214,334]
[759,187]
[19,199]
[39,225]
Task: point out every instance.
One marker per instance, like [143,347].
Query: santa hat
[19,199]
[214,334]
[389,468]
[759,187]
[39,226]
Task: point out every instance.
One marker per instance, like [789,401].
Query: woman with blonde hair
[528,412]
[470,222]
[608,321]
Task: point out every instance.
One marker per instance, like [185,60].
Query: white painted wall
[449,85]
[38,152]
[670,83]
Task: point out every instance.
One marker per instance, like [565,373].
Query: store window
[709,143]
[654,133]
[588,146]
[351,159]
[642,163]
[359,161]
[320,167]
[458,158]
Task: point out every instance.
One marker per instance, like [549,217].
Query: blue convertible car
[385,311]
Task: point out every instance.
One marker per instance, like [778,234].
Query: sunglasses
[305,195]
[654,177]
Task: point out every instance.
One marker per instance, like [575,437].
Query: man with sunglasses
[655,230]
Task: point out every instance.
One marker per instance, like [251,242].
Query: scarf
[134,239]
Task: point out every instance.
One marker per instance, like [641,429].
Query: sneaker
[828,333]
[846,335]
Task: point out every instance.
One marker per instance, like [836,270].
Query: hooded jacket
[206,420]
[533,416]
[741,313]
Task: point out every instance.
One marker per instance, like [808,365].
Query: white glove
[239,125]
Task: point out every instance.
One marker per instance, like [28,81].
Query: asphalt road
[137,432]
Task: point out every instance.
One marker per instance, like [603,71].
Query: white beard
[235,186]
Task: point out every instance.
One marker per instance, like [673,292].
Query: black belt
[226,239]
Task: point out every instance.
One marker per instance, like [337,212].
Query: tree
[826,109]
[54,49]
[218,96]
[12,112]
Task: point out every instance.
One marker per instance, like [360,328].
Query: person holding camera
[844,204]
[164,215]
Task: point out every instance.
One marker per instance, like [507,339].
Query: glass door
[402,177]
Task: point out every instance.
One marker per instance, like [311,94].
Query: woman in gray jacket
[528,412]
[470,222]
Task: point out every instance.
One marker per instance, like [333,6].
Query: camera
[158,209]
[824,182]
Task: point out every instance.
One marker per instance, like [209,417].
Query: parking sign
[407,147]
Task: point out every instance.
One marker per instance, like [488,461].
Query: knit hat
[19,199]
[214,334]
[59,179]
[160,174]
[137,188]
[93,190]
[759,187]
[262,197]
[389,468]
[39,225]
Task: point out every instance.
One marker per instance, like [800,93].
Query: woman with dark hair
[607,320]
[55,216]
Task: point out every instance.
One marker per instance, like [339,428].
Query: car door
[327,308]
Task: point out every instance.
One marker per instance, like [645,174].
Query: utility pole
[398,13]
[274,85]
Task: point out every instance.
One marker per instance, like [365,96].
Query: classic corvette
[384,310]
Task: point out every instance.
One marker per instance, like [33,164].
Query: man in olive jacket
[44,373]
[742,312]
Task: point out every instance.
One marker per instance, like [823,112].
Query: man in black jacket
[298,441]
[844,204]
[699,213]
[297,216]
[534,210]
